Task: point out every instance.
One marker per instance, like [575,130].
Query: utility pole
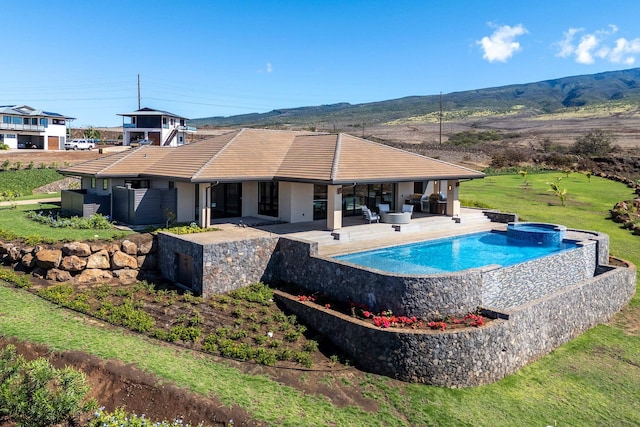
[138,91]
[440,116]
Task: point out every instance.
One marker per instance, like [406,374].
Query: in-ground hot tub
[537,232]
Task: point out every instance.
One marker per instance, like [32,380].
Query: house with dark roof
[22,126]
[155,127]
[286,176]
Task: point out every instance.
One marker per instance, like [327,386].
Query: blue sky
[219,58]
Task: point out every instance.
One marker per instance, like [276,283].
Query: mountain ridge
[547,96]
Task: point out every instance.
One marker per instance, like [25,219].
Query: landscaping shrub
[120,418]
[37,394]
[55,220]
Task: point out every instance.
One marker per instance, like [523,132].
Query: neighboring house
[155,127]
[275,175]
[22,126]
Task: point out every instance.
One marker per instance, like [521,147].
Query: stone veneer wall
[501,217]
[219,267]
[422,296]
[429,296]
[475,356]
[538,277]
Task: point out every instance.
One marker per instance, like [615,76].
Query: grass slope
[593,380]
[24,181]
[14,223]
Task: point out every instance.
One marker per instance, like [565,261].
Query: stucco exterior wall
[295,201]
[186,206]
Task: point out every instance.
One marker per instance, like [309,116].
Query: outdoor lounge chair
[407,208]
[383,207]
[369,216]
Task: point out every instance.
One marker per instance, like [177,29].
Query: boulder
[93,275]
[13,253]
[146,242]
[58,275]
[97,246]
[99,260]
[126,276]
[76,248]
[121,260]
[112,248]
[28,260]
[129,248]
[48,258]
[73,263]
[39,272]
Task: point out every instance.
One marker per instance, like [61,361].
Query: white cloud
[584,50]
[501,45]
[268,68]
[566,47]
[598,45]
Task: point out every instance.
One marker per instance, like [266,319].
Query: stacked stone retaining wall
[475,356]
[84,262]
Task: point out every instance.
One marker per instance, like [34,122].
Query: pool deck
[355,235]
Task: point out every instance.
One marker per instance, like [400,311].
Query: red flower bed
[387,319]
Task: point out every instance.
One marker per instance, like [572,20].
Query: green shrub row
[94,222]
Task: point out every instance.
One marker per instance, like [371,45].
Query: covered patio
[355,234]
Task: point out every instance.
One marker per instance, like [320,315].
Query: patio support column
[334,207]
[204,193]
[453,204]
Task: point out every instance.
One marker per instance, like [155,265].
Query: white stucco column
[453,204]
[334,207]
[205,205]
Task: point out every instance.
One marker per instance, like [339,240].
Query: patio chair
[384,207]
[369,216]
[407,208]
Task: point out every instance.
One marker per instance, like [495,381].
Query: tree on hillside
[92,133]
[595,143]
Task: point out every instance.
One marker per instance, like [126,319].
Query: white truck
[79,144]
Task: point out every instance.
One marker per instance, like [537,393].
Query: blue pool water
[453,254]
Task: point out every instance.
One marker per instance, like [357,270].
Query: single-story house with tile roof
[288,176]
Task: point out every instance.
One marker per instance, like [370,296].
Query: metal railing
[12,126]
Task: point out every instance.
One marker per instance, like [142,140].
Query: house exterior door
[226,200]
[53,143]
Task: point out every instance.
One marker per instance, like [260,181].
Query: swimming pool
[454,254]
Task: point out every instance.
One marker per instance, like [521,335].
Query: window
[34,121]
[137,183]
[268,198]
[105,184]
[17,120]
[44,122]
[6,119]
[93,183]
[57,122]
[172,184]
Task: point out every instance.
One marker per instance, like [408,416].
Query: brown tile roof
[260,155]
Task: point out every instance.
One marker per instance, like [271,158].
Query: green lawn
[593,380]
[14,223]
